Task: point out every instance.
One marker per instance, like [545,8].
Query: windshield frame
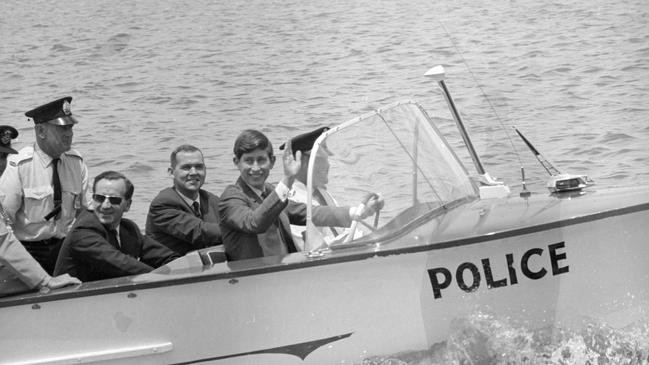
[471,194]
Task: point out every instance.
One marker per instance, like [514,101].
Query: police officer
[7,133]
[44,186]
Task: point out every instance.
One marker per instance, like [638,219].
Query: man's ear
[40,130]
[235,160]
[170,171]
[128,205]
[272,159]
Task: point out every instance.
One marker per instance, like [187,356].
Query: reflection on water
[485,339]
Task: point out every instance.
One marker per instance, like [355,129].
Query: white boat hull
[353,305]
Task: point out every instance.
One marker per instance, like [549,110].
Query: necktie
[197,209]
[112,237]
[56,184]
[56,181]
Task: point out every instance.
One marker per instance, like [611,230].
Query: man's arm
[11,193]
[156,254]
[85,192]
[236,212]
[14,256]
[324,216]
[167,217]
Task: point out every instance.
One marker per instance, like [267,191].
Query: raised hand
[292,164]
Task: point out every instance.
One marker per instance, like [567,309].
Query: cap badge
[66,108]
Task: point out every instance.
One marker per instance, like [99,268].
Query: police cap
[8,128]
[56,112]
[304,142]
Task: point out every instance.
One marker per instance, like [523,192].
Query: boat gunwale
[368,252]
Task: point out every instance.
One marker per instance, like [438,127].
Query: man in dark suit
[185,217]
[102,244]
[256,216]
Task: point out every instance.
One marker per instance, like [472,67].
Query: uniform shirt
[19,271]
[27,193]
[299,194]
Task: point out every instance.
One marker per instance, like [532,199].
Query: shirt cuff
[352,213]
[282,191]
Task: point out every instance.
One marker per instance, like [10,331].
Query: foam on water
[482,338]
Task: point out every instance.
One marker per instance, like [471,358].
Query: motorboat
[448,244]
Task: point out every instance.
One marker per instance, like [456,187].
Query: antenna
[553,171]
[558,182]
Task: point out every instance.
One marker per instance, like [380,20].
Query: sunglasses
[114,200]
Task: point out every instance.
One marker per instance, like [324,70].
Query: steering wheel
[359,208]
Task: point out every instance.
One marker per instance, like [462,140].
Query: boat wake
[484,339]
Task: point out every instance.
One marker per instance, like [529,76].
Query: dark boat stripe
[301,350]
[128,286]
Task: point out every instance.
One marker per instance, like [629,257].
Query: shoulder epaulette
[24,155]
[73,153]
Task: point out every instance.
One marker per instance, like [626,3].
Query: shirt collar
[188,200]
[255,190]
[47,159]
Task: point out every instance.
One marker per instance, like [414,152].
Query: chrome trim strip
[102,355]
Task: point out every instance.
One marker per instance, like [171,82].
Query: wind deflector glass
[397,152]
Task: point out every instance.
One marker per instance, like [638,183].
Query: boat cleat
[568,182]
[317,254]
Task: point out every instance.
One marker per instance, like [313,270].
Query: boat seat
[212,255]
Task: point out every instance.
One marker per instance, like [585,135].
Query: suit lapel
[283,223]
[249,192]
[183,203]
[128,241]
[285,228]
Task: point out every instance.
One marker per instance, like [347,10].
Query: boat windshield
[396,152]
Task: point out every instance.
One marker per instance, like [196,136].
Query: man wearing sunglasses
[102,244]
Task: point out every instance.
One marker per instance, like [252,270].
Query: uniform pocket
[38,203]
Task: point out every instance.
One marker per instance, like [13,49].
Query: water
[148,75]
[484,339]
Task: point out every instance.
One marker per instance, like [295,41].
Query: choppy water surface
[148,75]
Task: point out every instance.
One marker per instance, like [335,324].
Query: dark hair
[250,140]
[114,175]
[183,148]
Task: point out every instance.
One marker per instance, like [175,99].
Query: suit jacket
[244,215]
[171,221]
[19,271]
[87,253]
